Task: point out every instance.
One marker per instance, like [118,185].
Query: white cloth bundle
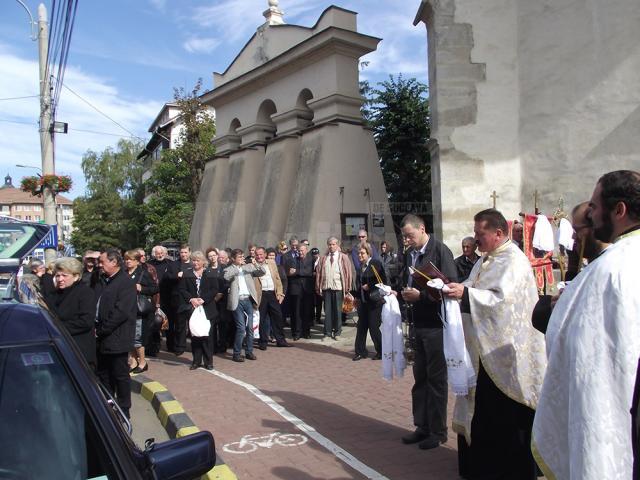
[460,372]
[198,324]
[392,341]
[543,235]
[565,234]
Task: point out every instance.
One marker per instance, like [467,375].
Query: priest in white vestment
[582,428]
[509,355]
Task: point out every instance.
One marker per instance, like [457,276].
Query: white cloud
[201,45]
[159,4]
[20,143]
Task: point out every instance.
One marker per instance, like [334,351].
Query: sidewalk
[350,420]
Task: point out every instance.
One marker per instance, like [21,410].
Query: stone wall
[528,96]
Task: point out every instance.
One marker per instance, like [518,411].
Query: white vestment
[582,428]
[502,295]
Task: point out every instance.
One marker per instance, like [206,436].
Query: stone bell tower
[293,155]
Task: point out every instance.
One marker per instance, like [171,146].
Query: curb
[174,419]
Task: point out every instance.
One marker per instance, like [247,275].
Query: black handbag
[145,306]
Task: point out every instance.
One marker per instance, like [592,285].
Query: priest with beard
[582,428]
[494,420]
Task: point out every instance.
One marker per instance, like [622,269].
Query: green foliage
[195,145]
[175,180]
[109,213]
[169,210]
[398,113]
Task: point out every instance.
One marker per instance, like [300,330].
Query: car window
[46,431]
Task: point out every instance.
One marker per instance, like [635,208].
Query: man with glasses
[363,238]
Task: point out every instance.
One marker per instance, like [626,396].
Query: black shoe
[237,358]
[262,347]
[250,356]
[377,356]
[193,366]
[414,437]
[357,357]
[209,367]
[283,344]
[430,443]
[140,370]
[296,338]
[177,353]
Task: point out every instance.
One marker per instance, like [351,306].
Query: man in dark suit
[115,326]
[291,263]
[307,292]
[429,392]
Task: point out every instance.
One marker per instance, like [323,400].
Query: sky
[126,57]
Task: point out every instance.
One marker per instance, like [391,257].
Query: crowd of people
[562,367]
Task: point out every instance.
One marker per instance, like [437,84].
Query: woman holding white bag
[198,289]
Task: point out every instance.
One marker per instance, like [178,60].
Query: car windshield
[18,239]
[46,431]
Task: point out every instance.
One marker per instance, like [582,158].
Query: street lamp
[29,166]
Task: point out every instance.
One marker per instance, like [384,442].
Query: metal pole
[46,135]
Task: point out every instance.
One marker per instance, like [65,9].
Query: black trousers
[369,318]
[306,313]
[500,436]
[202,348]
[113,372]
[429,392]
[270,307]
[295,304]
[180,331]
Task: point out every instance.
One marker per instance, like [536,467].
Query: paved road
[306,413]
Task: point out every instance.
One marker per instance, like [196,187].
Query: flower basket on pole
[36,184]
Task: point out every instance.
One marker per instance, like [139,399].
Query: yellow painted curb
[168,408]
[184,431]
[149,389]
[219,472]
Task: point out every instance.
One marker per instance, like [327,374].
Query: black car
[57,422]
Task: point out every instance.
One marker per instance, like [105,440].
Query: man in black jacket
[429,392]
[115,327]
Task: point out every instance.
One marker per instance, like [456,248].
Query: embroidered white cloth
[392,341]
[543,234]
[565,234]
[460,372]
[582,427]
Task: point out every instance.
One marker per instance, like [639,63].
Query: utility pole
[46,134]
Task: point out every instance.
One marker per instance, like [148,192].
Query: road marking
[250,443]
[336,450]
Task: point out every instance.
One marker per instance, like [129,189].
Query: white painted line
[336,450]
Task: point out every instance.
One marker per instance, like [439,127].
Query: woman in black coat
[369,306]
[199,287]
[146,287]
[74,304]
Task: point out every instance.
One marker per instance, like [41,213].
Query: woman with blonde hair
[74,304]
[199,287]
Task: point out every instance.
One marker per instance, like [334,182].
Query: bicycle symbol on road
[250,443]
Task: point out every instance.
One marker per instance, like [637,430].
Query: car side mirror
[182,458]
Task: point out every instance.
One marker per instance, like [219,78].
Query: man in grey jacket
[243,298]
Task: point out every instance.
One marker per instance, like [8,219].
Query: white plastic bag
[256,324]
[198,324]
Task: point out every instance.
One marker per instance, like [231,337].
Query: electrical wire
[102,113]
[18,98]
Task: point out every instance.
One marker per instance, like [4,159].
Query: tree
[175,180]
[108,214]
[398,113]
